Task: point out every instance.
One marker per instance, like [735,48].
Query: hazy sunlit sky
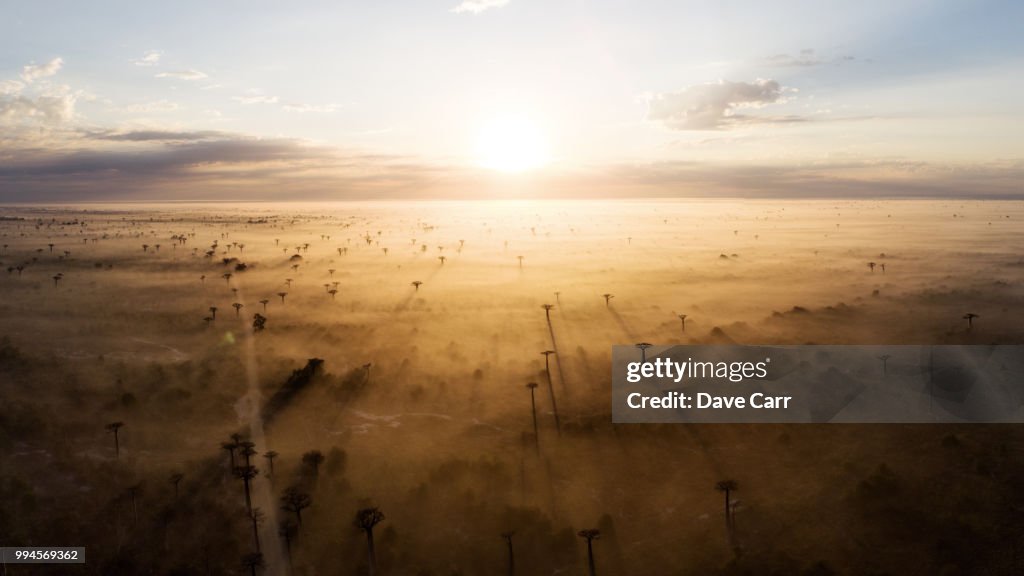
[484,98]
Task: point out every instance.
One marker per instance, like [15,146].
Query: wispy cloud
[805,58]
[162,105]
[478,6]
[256,99]
[714,106]
[150,58]
[302,108]
[183,74]
[32,72]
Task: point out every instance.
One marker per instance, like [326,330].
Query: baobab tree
[520,258]
[133,492]
[246,474]
[238,308]
[558,297]
[287,530]
[367,367]
[970,316]
[727,487]
[882,266]
[872,266]
[551,389]
[270,455]
[885,363]
[247,449]
[366,519]
[590,535]
[256,517]
[547,311]
[333,292]
[176,479]
[264,302]
[282,295]
[230,447]
[511,553]
[442,259]
[416,285]
[331,272]
[227,277]
[607,299]
[313,459]
[213,312]
[295,501]
[682,320]
[533,410]
[643,346]
[115,428]
[252,561]
[145,247]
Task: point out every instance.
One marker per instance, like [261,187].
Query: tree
[367,367]
[213,312]
[872,266]
[270,455]
[247,449]
[643,346]
[520,258]
[885,363]
[607,299]
[246,474]
[264,302]
[547,311]
[682,320]
[551,389]
[227,277]
[230,447]
[238,308]
[287,530]
[416,284]
[727,487]
[282,295]
[442,259]
[533,408]
[313,459]
[590,535]
[366,519]
[333,292]
[511,553]
[256,517]
[295,501]
[115,428]
[259,322]
[133,492]
[252,561]
[970,316]
[176,479]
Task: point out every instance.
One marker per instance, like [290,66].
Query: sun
[512,143]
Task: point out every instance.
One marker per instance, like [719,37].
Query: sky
[509,98]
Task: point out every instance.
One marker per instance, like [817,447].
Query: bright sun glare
[512,144]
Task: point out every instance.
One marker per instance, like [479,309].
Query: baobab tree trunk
[117,445]
[372,552]
[590,557]
[511,558]
[551,391]
[256,532]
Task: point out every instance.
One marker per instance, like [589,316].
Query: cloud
[16,108]
[714,106]
[8,87]
[154,106]
[183,75]
[806,58]
[256,99]
[150,58]
[157,135]
[302,108]
[478,6]
[32,72]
